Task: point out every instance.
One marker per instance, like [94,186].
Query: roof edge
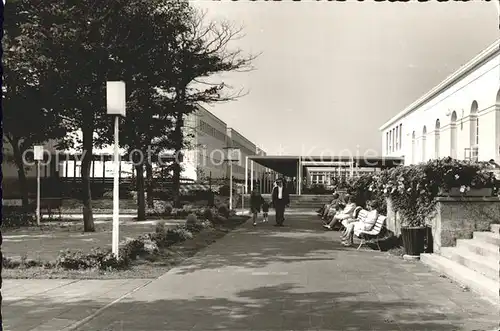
[475,62]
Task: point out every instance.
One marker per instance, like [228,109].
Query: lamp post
[38,156]
[232,156]
[115,103]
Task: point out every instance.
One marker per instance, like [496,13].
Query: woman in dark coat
[256,201]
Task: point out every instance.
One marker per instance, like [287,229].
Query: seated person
[346,213]
[326,206]
[333,208]
[332,211]
[367,219]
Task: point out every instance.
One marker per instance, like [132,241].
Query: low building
[205,157]
[207,142]
[459,118]
[245,148]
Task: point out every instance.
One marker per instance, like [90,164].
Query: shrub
[413,189]
[208,214]
[180,234]
[223,211]
[132,249]
[17,217]
[96,259]
[360,189]
[160,208]
[164,237]
[9,263]
[168,209]
[191,220]
[318,189]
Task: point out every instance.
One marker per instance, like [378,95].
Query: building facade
[245,147]
[459,118]
[205,157]
[209,142]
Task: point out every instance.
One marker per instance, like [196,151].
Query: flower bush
[17,217]
[144,246]
[413,189]
[97,259]
[361,188]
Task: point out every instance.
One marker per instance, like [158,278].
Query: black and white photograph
[250,165]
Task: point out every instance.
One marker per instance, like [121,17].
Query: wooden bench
[373,235]
[50,204]
[355,218]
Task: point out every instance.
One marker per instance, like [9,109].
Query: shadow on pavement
[283,307]
[256,247]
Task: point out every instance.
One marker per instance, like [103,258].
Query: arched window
[453,135]
[413,156]
[474,131]
[437,142]
[424,143]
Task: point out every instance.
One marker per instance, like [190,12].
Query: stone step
[478,247]
[487,237]
[495,228]
[485,266]
[482,285]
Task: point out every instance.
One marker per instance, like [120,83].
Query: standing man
[281,199]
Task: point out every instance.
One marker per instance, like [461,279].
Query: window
[397,138]
[387,142]
[393,139]
[400,136]
[477,131]
[390,141]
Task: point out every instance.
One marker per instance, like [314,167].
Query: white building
[207,136]
[459,118]
[209,140]
[246,148]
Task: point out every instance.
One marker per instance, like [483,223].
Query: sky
[331,73]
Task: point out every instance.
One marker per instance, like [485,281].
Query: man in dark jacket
[281,199]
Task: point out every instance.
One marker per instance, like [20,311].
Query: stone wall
[458,217]
[393,221]
[455,218]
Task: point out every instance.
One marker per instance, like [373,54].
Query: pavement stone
[51,304]
[296,278]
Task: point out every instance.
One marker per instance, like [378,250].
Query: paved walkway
[54,304]
[267,278]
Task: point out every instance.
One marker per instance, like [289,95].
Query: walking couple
[280,199]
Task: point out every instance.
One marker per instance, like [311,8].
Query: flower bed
[151,247]
[413,189]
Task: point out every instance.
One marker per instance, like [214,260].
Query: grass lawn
[45,243]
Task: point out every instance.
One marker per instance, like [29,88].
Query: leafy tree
[88,44]
[203,52]
[26,119]
[146,130]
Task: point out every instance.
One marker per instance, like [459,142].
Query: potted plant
[412,195]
